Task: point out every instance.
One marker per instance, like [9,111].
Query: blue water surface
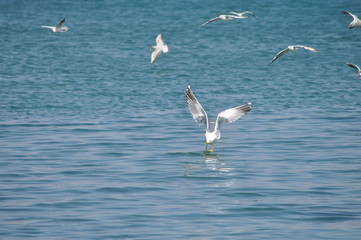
[97,143]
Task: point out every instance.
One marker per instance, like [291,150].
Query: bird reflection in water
[211,162]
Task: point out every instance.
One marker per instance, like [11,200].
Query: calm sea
[97,143]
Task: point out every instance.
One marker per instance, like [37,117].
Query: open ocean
[97,143]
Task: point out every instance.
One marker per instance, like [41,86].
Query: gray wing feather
[278,55]
[354,66]
[212,20]
[307,48]
[233,114]
[155,55]
[196,109]
[348,13]
[60,24]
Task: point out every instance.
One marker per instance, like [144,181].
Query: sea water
[97,143]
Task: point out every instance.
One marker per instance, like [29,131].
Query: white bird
[356,22]
[243,14]
[355,67]
[199,115]
[291,49]
[160,47]
[58,27]
[220,17]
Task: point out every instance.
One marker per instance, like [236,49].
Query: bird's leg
[212,149]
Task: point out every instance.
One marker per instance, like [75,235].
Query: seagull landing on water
[245,14]
[199,115]
[355,67]
[291,49]
[223,17]
[356,22]
[58,27]
[160,47]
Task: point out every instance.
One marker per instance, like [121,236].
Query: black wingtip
[248,107]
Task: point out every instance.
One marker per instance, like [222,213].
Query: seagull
[220,17]
[160,47]
[58,27]
[291,49]
[355,67]
[199,115]
[243,14]
[356,21]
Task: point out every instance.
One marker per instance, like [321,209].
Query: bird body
[200,115]
[58,27]
[159,48]
[291,49]
[356,22]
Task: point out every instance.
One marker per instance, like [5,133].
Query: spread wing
[60,24]
[159,40]
[209,21]
[196,109]
[352,15]
[278,55]
[243,14]
[232,114]
[155,55]
[354,66]
[307,48]
[50,27]
[248,12]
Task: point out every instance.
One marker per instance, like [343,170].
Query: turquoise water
[97,143]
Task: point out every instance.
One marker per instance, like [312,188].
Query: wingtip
[352,65]
[250,105]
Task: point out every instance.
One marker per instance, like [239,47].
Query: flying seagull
[222,17]
[356,22]
[355,67]
[160,47]
[243,14]
[199,115]
[291,49]
[58,27]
